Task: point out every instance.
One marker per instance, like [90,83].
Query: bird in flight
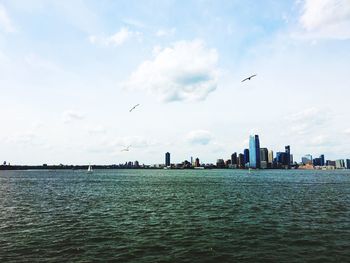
[134,107]
[249,78]
[126,149]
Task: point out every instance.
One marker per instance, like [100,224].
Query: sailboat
[89,170]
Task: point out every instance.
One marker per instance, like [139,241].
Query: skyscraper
[234,159]
[246,157]
[263,158]
[254,151]
[287,151]
[347,163]
[281,159]
[339,164]
[167,159]
[240,161]
[270,158]
[197,164]
[322,159]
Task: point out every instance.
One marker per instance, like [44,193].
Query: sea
[175,216]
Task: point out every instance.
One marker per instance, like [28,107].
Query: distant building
[287,151]
[264,156]
[291,159]
[330,163]
[282,159]
[322,160]
[270,158]
[136,164]
[246,157]
[307,159]
[339,164]
[167,159]
[234,159]
[254,151]
[220,163]
[347,161]
[241,161]
[319,161]
[197,164]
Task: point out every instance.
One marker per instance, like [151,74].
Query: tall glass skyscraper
[167,159]
[246,156]
[254,151]
[287,150]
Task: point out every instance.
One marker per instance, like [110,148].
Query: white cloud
[117,39]
[199,137]
[99,129]
[326,18]
[320,140]
[347,131]
[186,70]
[72,115]
[115,145]
[165,32]
[5,21]
[133,141]
[303,121]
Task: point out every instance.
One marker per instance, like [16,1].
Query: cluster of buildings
[307,162]
[256,157]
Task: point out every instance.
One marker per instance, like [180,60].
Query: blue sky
[70,71]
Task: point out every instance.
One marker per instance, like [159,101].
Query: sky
[71,70]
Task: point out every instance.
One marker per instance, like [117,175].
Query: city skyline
[255,157]
[71,71]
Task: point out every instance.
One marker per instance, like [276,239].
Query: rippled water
[174,216]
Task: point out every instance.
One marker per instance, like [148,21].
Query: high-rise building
[254,151]
[240,161]
[291,159]
[246,157]
[197,164]
[270,157]
[287,151]
[234,158]
[167,159]
[220,163]
[319,161]
[264,156]
[282,159]
[322,160]
[316,162]
[347,163]
[339,164]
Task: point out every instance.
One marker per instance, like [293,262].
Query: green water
[175,216]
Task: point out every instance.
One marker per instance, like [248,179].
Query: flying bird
[126,149]
[134,107]
[249,78]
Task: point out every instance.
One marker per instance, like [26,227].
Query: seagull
[126,149]
[252,76]
[134,107]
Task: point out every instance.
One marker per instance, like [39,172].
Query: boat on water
[89,170]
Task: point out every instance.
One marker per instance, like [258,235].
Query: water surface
[175,216]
